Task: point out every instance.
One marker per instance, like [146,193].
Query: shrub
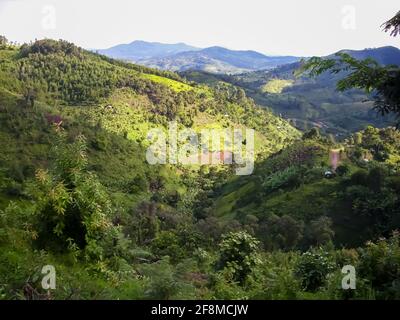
[313,268]
[281,232]
[72,207]
[288,178]
[163,283]
[376,179]
[380,264]
[311,134]
[238,254]
[320,231]
[359,177]
[167,244]
[342,170]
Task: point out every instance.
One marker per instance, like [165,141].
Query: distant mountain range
[383,55]
[310,102]
[182,57]
[140,50]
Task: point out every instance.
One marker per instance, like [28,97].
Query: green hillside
[357,204]
[310,102]
[114,105]
[77,193]
[58,101]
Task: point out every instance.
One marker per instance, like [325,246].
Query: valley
[102,174]
[310,102]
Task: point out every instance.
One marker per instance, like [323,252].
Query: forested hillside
[312,102]
[73,168]
[77,193]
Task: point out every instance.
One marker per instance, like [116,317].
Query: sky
[275,27]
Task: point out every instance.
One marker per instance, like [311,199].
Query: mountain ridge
[182,57]
[140,49]
[385,55]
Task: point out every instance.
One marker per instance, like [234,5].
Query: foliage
[3,42]
[238,254]
[72,208]
[283,233]
[167,244]
[313,268]
[116,228]
[288,178]
[276,85]
[393,25]
[382,81]
[165,283]
[380,264]
[342,170]
[48,46]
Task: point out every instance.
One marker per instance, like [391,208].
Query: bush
[238,254]
[167,244]
[288,178]
[313,268]
[72,207]
[163,283]
[380,264]
[275,277]
[376,179]
[281,232]
[342,170]
[359,177]
[320,231]
[311,134]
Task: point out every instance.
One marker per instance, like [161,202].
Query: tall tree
[3,41]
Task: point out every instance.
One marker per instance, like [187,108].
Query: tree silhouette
[393,25]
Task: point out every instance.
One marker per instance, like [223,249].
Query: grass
[276,85]
[309,201]
[173,84]
[225,204]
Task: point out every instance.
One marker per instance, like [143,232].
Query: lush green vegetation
[309,101]
[76,191]
[276,85]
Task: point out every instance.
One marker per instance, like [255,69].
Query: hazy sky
[296,27]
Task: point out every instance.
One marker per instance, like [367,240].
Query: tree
[3,42]
[393,25]
[313,268]
[72,207]
[343,170]
[167,244]
[320,231]
[376,179]
[30,95]
[380,264]
[311,134]
[383,82]
[143,224]
[281,232]
[238,254]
